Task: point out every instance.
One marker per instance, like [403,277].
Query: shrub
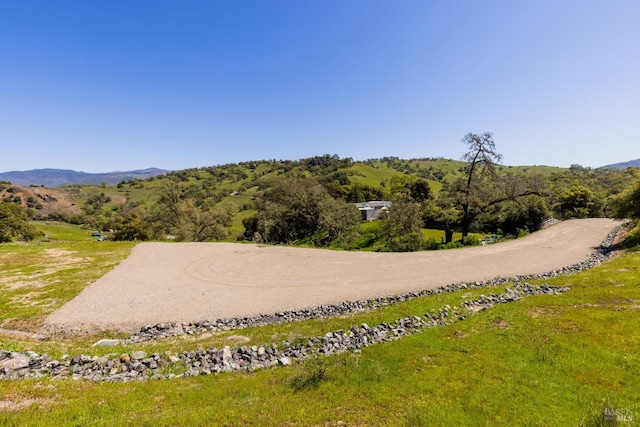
[470,241]
[14,222]
[632,239]
[431,244]
[309,374]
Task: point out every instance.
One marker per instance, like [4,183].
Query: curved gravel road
[183,282]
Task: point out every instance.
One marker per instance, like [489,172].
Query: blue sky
[111,85]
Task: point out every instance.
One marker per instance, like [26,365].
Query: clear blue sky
[111,85]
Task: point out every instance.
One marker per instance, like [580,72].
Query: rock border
[137,365]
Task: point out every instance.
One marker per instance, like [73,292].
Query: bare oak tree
[482,187]
[482,157]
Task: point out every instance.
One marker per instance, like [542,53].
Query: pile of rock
[137,365]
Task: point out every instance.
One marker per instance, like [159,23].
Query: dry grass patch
[21,401]
[51,261]
[11,405]
[501,324]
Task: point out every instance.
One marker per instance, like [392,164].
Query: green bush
[406,243]
[14,222]
[431,244]
[451,245]
[366,240]
[309,374]
[470,241]
[632,239]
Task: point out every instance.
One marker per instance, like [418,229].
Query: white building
[372,210]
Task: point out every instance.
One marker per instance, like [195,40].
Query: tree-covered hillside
[312,201]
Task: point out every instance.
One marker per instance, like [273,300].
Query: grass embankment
[546,360]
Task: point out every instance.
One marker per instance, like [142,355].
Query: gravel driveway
[182,282]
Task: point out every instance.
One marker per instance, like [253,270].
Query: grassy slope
[370,175]
[547,360]
[37,278]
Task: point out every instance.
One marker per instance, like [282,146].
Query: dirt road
[165,282]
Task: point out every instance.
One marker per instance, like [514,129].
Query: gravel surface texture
[184,282]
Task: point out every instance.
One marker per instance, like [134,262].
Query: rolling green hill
[237,186]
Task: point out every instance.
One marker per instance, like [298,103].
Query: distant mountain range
[623,165]
[60,177]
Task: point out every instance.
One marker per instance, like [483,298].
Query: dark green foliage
[133,227]
[417,188]
[401,225]
[578,201]
[14,222]
[470,241]
[95,203]
[604,186]
[632,239]
[360,193]
[627,204]
[336,190]
[309,374]
[250,225]
[515,216]
[324,165]
[366,240]
[302,209]
[404,243]
[339,177]
[420,191]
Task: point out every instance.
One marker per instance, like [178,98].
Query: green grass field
[552,360]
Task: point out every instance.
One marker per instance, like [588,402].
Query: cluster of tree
[187,216]
[301,210]
[15,223]
[626,205]
[482,199]
[178,209]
